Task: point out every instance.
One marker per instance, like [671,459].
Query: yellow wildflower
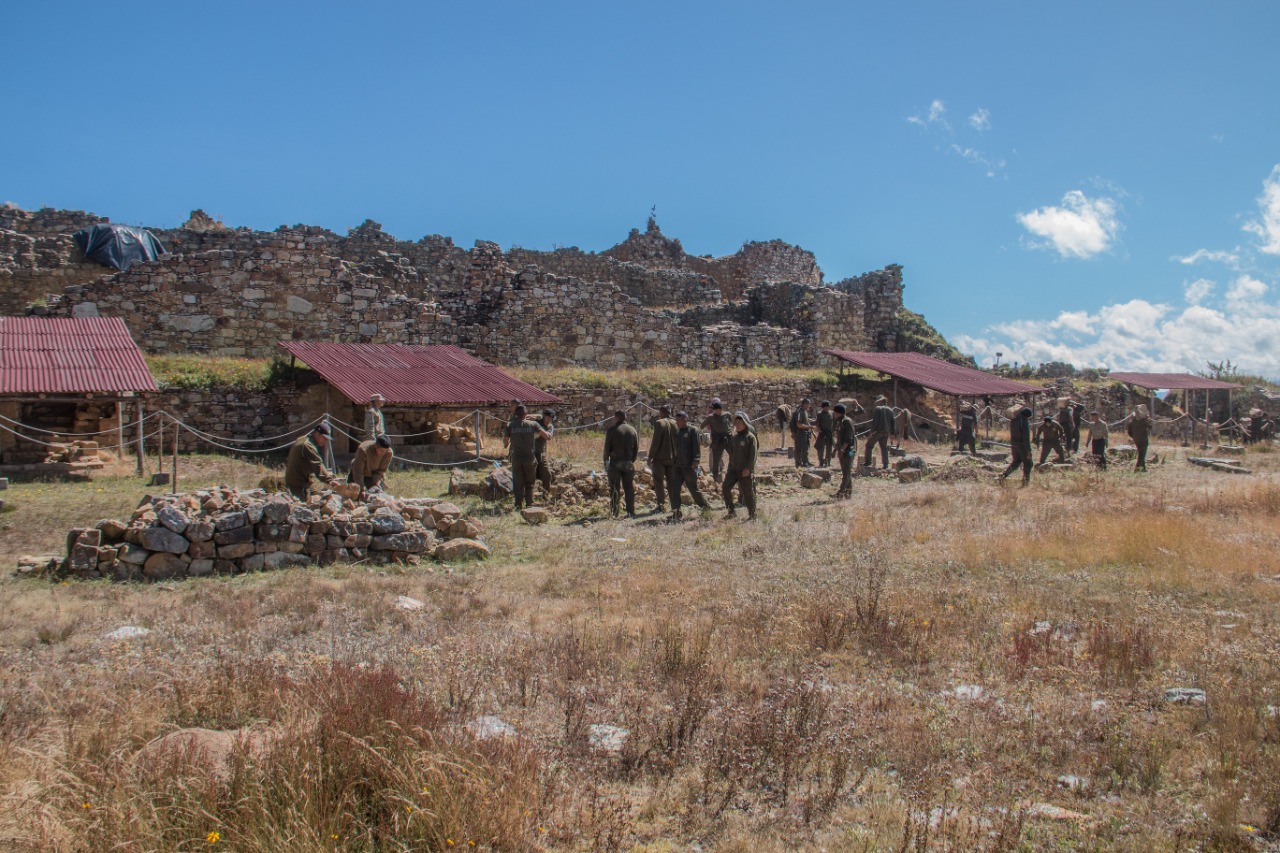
[213,837]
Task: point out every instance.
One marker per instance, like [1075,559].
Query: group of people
[306,462]
[1060,436]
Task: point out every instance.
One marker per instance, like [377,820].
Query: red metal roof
[1170,381]
[70,355]
[408,375]
[934,373]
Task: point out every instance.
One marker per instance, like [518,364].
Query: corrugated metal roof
[1170,381]
[70,355]
[935,374]
[409,375]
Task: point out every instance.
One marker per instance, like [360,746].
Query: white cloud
[1231,259]
[1267,226]
[1243,326]
[981,120]
[934,122]
[1080,228]
[936,114]
[1198,291]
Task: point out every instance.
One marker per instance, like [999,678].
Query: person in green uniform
[374,423]
[1049,437]
[801,433]
[967,430]
[826,422]
[621,447]
[1139,429]
[369,467]
[519,438]
[1099,435]
[846,450]
[688,465]
[719,425]
[1019,444]
[742,466]
[306,461]
[662,455]
[882,426]
[543,472]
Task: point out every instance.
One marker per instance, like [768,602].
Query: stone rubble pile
[229,531]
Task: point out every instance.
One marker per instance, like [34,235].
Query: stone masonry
[645,302]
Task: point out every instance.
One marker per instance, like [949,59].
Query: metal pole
[177,428]
[141,441]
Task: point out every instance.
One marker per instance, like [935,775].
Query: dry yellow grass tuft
[931,666]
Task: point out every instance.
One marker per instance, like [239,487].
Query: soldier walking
[801,431]
[882,423]
[967,430]
[1049,437]
[688,465]
[1077,424]
[1066,422]
[846,449]
[1098,437]
[1020,445]
[826,434]
[742,466]
[662,455]
[519,438]
[783,414]
[542,472]
[719,425]
[621,447]
[1139,429]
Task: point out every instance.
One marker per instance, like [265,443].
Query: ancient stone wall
[228,303]
[654,287]
[35,267]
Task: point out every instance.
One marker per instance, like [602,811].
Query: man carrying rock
[543,471]
[1066,421]
[1019,444]
[305,461]
[1049,437]
[1077,424]
[374,423]
[742,466]
[1139,429]
[846,449]
[826,434]
[719,425]
[801,431]
[621,447]
[688,465]
[519,438]
[882,421]
[967,430]
[369,467]
[662,455]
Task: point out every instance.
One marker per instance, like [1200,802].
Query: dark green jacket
[968,423]
[304,463]
[742,451]
[882,420]
[847,435]
[826,421]
[719,426]
[522,432]
[621,444]
[688,447]
[1020,431]
[1139,429]
[1049,432]
[662,447]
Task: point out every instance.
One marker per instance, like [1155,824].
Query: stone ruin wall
[38,258]
[235,292]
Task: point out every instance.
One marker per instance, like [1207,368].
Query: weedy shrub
[1039,645]
[361,762]
[1120,653]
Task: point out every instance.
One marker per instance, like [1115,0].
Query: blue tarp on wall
[118,246]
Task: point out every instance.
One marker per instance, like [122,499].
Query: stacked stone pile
[228,531]
[79,455]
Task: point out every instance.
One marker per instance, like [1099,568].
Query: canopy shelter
[63,378]
[118,246]
[954,380]
[1184,382]
[416,382]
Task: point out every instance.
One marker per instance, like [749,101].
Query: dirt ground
[939,665]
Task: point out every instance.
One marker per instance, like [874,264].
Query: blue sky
[1087,181]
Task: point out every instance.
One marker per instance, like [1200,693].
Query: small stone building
[66,384]
[431,393]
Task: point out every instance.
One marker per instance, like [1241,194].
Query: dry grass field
[934,666]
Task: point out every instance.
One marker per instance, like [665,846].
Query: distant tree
[1056,370]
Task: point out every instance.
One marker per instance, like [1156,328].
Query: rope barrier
[74,435]
[28,438]
[295,432]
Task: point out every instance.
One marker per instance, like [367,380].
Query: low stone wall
[226,531]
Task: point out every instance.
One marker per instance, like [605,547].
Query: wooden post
[177,428]
[142,450]
[479,421]
[160,447]
[120,416]
[1206,417]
